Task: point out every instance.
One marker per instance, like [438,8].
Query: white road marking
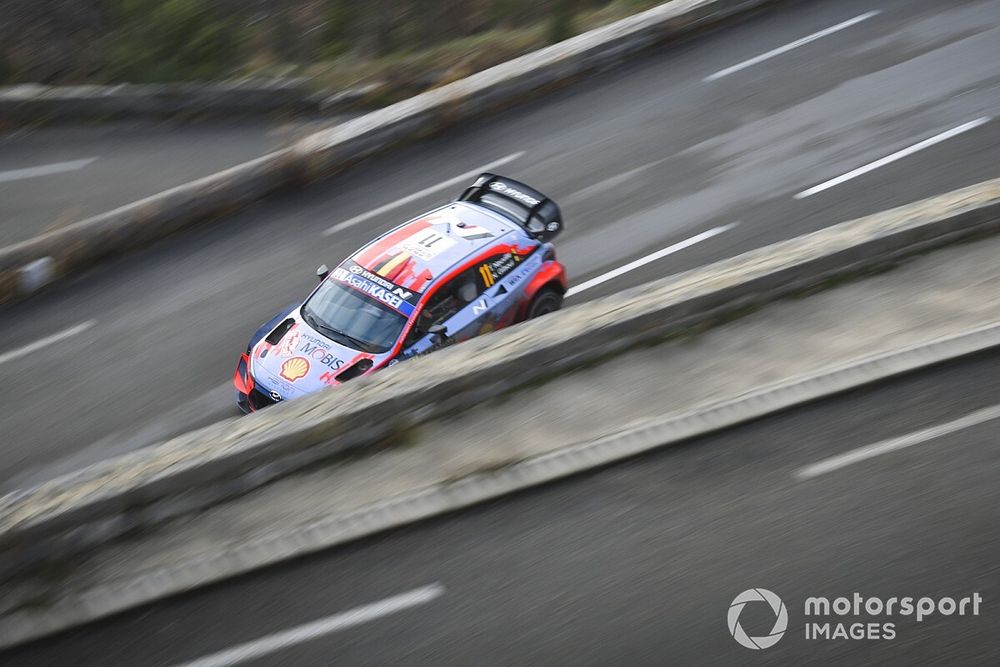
[309,631]
[44,170]
[48,340]
[426,191]
[792,45]
[895,444]
[642,261]
[898,155]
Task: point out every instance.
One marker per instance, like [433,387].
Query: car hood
[302,361]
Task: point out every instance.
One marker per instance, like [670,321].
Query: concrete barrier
[29,104]
[83,243]
[71,514]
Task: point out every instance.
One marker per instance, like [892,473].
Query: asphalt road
[58,174]
[640,158]
[637,564]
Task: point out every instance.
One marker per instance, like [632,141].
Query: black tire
[548,300]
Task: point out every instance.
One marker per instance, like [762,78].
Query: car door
[501,287]
[481,299]
[442,306]
[456,306]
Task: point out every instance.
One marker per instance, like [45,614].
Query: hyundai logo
[275,396]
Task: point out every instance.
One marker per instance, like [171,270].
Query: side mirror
[322,272]
[439,335]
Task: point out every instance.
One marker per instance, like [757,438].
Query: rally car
[480,263]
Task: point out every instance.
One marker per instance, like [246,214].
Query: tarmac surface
[641,159]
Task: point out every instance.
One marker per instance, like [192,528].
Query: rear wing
[538,215]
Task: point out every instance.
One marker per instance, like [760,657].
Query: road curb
[150,586]
[82,244]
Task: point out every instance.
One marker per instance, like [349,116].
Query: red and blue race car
[480,263]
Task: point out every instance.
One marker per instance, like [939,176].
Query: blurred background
[338,43]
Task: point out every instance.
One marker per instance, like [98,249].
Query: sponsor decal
[518,277]
[496,269]
[480,307]
[376,291]
[315,339]
[286,347]
[321,354]
[379,280]
[524,270]
[295,368]
[283,387]
[426,244]
[513,193]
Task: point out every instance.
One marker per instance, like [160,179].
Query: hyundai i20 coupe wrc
[480,263]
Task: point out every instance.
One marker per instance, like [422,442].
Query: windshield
[353,319]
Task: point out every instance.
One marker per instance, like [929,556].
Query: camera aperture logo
[858,617]
[780,618]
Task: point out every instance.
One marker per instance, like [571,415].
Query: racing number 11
[429,238]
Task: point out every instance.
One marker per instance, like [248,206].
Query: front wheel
[546,301]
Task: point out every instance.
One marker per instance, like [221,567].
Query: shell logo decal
[295,368]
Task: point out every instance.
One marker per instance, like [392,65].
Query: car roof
[419,251]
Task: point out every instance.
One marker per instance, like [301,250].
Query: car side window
[450,298]
[442,305]
[416,333]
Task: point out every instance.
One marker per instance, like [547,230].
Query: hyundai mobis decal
[399,299]
[298,344]
[302,361]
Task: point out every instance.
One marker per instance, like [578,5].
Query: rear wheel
[548,300]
